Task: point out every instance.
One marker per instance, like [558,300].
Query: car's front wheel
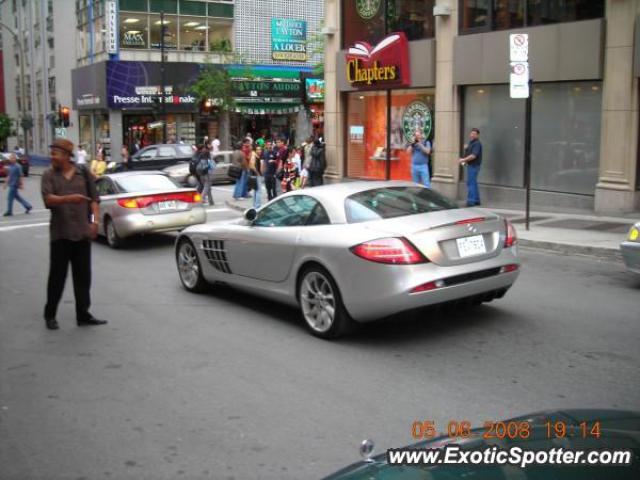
[189,267]
[321,304]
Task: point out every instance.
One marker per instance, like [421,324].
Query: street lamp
[24,122]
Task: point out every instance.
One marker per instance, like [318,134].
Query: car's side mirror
[251,214]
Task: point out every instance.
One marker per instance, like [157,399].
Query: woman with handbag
[255,178]
[291,174]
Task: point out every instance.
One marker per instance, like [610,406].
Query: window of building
[166,6]
[134,5]
[134,30]
[501,123]
[170,31]
[372,21]
[193,33]
[485,15]
[565,132]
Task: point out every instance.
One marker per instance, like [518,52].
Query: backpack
[193,163]
[318,159]
[202,168]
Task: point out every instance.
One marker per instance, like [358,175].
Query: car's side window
[166,152]
[149,154]
[105,187]
[290,211]
[318,216]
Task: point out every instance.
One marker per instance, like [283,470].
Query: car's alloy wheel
[321,304]
[113,239]
[189,267]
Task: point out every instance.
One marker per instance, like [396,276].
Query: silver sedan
[180,172]
[630,249]
[139,202]
[355,252]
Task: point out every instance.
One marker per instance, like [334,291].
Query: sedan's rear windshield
[143,183]
[391,202]
[185,150]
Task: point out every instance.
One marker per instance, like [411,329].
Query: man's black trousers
[78,254]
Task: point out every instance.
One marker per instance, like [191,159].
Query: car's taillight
[144,202]
[397,251]
[128,203]
[470,220]
[511,238]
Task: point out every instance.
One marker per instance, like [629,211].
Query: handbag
[234,172]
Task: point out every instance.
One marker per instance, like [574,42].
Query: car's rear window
[143,183]
[185,150]
[391,202]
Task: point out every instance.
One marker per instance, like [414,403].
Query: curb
[572,249]
[236,206]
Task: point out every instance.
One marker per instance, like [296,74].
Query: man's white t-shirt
[215,145]
[81,157]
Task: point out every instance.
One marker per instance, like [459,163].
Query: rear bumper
[137,223]
[631,255]
[373,298]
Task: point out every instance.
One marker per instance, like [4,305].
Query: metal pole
[527,155]
[162,80]
[22,91]
[387,172]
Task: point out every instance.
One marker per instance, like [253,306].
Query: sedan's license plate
[167,205]
[470,246]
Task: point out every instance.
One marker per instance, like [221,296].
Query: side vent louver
[216,254]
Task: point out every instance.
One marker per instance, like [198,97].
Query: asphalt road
[227,386]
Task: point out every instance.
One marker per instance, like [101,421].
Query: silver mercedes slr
[355,252]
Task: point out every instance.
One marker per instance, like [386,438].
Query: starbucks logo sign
[417,116]
[367,8]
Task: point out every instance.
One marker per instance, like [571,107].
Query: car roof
[116,176]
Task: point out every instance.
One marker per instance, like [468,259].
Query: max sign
[383,66]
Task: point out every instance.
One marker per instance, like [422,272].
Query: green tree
[315,51]
[6,128]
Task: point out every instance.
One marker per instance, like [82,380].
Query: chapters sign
[381,66]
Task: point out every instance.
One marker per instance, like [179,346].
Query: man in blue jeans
[14,183]
[420,150]
[472,160]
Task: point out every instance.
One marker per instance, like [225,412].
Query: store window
[413,17]
[565,153]
[166,6]
[193,33]
[171,31]
[411,109]
[85,131]
[190,7]
[134,30]
[501,123]
[371,21]
[485,15]
[134,5]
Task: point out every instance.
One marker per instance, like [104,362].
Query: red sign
[383,66]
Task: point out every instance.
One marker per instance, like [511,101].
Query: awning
[267,109]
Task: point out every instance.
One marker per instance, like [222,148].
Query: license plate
[470,246]
[167,205]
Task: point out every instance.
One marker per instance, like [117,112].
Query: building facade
[30,29]
[584,96]
[118,78]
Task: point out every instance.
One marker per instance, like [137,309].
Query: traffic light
[64,116]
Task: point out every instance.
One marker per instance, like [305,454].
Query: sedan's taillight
[396,251]
[511,238]
[144,202]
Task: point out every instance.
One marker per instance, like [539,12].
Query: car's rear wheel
[113,239]
[189,267]
[321,304]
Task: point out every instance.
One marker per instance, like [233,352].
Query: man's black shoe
[52,324]
[91,321]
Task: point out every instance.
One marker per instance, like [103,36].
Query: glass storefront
[147,129]
[94,128]
[485,15]
[366,140]
[565,135]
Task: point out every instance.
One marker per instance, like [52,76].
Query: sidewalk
[567,233]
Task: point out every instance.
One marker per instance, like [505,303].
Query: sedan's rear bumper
[136,223]
[631,255]
[385,290]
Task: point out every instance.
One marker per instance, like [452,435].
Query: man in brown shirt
[70,193]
